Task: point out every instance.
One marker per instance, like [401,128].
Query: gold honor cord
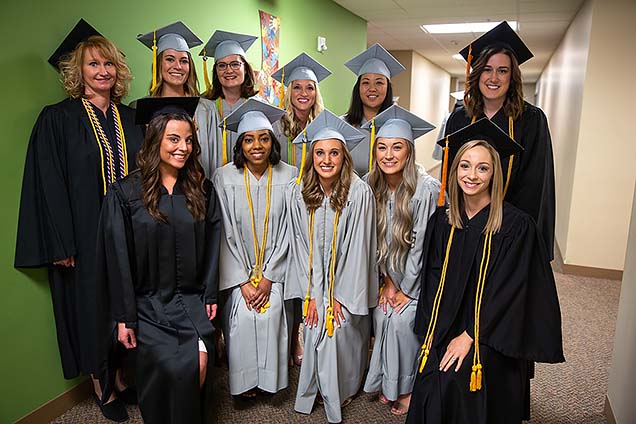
[476,373]
[219,108]
[310,266]
[304,155]
[430,331]
[329,318]
[371,143]
[102,143]
[257,272]
[290,152]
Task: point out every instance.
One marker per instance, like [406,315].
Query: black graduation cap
[486,130]
[501,35]
[150,107]
[80,32]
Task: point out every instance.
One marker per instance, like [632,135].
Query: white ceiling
[396,25]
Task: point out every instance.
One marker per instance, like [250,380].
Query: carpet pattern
[572,392]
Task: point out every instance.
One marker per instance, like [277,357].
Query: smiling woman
[252,194]
[78,148]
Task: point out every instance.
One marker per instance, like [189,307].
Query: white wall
[424,89]
[622,383]
[587,92]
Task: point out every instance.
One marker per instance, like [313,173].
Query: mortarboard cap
[253,115]
[326,126]
[375,60]
[150,107]
[175,36]
[80,32]
[501,35]
[224,43]
[302,67]
[483,129]
[397,122]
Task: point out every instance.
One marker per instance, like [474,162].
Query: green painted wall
[31,30]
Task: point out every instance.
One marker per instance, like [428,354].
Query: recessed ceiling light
[463,28]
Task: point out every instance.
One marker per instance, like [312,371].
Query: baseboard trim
[607,411]
[59,405]
[583,271]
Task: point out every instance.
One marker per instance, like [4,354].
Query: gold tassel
[329,321]
[206,77]
[306,306]
[478,383]
[424,357]
[442,190]
[282,88]
[372,142]
[154,63]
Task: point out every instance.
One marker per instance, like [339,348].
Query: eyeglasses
[235,65]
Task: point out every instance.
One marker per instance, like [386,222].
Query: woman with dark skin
[78,148]
[160,231]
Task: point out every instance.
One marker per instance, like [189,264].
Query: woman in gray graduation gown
[405,198]
[232,84]
[371,94]
[302,103]
[331,266]
[174,75]
[253,253]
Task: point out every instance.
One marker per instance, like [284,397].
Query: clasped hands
[256,297]
[390,295]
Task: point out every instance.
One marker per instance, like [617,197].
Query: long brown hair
[191,176]
[191,86]
[247,88]
[513,104]
[393,255]
[71,68]
[355,114]
[455,193]
[292,126]
[313,194]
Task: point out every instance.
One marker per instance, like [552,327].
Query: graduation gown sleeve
[296,274]
[213,226]
[45,226]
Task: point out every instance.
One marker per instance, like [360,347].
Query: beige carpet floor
[572,392]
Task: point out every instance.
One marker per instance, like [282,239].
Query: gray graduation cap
[302,67]
[397,122]
[326,126]
[375,60]
[483,129]
[253,115]
[224,43]
[457,95]
[175,36]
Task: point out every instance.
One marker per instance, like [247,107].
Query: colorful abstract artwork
[270,36]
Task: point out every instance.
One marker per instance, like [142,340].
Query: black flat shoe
[128,396]
[114,410]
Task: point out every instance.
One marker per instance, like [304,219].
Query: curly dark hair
[191,176]
[239,157]
[513,104]
[356,112]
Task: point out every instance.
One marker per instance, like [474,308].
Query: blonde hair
[393,255]
[190,87]
[312,192]
[456,200]
[291,126]
[71,68]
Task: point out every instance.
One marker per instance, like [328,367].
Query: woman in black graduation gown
[78,147]
[159,238]
[495,90]
[488,302]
